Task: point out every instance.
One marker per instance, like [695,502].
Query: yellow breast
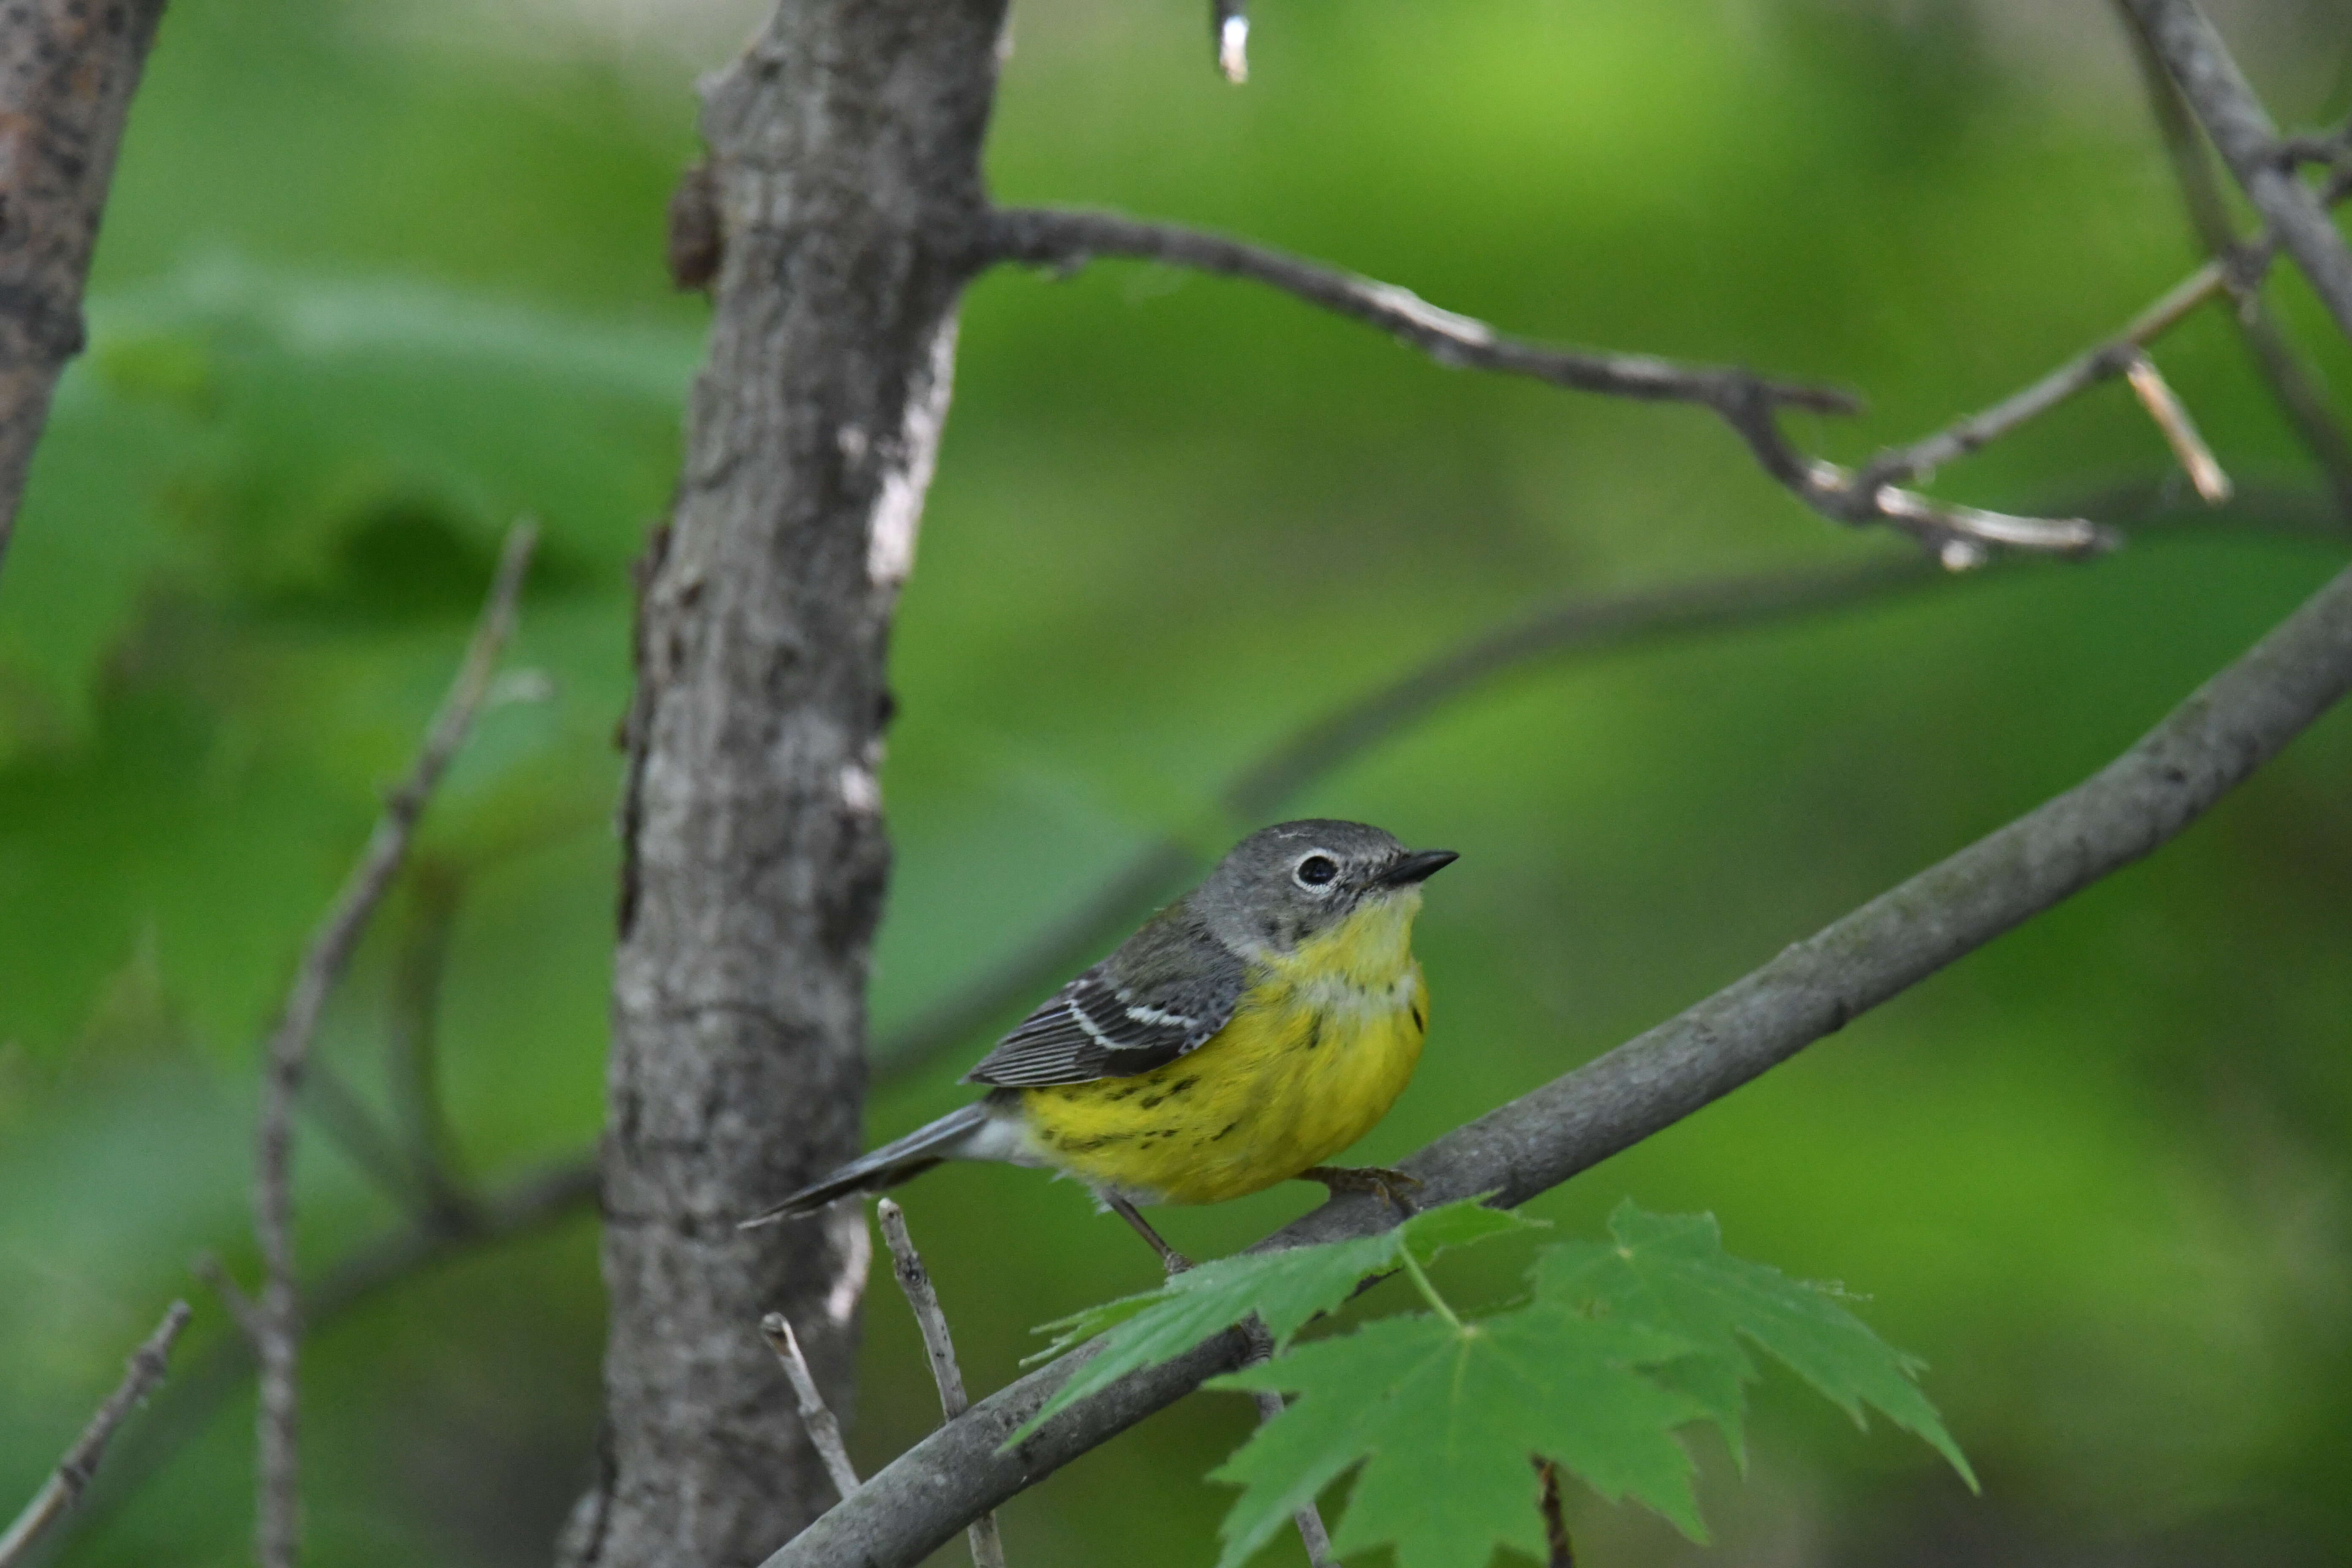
[1318,1049]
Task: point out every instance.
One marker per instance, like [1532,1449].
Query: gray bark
[2212,742]
[68,68]
[2242,132]
[845,179]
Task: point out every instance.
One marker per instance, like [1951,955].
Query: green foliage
[1284,1289]
[1670,1272]
[1618,1344]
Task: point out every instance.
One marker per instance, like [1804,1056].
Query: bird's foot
[1391,1186]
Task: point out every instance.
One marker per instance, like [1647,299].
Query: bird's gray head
[1287,884]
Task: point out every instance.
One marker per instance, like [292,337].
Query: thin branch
[1307,1521]
[525,1206]
[2283,369]
[1046,237]
[2213,740]
[277,1530]
[1575,627]
[987,1544]
[65,1484]
[67,71]
[1750,405]
[822,1429]
[2102,362]
[2242,131]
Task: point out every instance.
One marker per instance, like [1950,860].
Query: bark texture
[68,68]
[844,176]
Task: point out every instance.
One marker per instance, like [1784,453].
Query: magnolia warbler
[1249,1030]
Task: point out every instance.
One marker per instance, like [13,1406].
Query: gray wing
[1165,992]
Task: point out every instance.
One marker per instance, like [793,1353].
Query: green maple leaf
[1670,1273]
[1443,1416]
[1284,1289]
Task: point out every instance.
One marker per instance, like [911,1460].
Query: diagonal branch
[279,1325]
[2249,144]
[65,1484]
[68,68]
[2290,380]
[2213,740]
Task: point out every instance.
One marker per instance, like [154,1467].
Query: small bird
[1247,1032]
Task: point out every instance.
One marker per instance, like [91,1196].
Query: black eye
[1317,869]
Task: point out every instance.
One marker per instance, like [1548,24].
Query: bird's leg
[1391,1186]
[1171,1259]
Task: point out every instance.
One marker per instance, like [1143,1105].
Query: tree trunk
[68,68]
[844,171]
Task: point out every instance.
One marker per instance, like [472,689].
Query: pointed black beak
[1418,866]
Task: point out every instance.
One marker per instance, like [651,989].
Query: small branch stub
[822,1429]
[2164,408]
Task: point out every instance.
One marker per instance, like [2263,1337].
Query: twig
[1307,1521]
[2242,131]
[277,1530]
[1958,536]
[2156,395]
[2212,742]
[520,1208]
[1748,403]
[1579,626]
[67,71]
[2282,368]
[65,1484]
[822,1429]
[987,1544]
[1559,1551]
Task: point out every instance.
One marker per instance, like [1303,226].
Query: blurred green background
[376,277]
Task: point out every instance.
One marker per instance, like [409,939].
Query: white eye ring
[1326,874]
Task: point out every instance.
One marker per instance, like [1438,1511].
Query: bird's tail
[886,1167]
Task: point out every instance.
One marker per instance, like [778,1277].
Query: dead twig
[2164,408]
[65,1484]
[987,1544]
[822,1429]
[280,1328]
